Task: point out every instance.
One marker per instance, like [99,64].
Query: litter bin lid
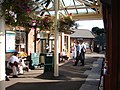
[49,54]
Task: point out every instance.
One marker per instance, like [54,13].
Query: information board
[10,41]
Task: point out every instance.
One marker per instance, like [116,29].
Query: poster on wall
[10,41]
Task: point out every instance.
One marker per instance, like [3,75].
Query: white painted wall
[2,53]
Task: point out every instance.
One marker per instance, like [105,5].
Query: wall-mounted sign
[10,41]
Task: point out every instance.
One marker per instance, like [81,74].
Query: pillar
[56,66]
[2,53]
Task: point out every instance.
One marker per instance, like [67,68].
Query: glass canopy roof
[80,9]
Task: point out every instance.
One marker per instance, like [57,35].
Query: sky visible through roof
[84,24]
[89,24]
[67,3]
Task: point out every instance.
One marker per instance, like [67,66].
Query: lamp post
[48,32]
[47,46]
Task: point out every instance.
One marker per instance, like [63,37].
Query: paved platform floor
[70,77]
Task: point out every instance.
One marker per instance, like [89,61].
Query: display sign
[35,59]
[10,41]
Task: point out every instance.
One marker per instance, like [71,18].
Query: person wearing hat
[13,62]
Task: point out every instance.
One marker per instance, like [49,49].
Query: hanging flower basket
[46,23]
[65,23]
[17,12]
[20,13]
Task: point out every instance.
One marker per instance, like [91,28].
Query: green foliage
[22,12]
[100,36]
[17,12]
[46,22]
[65,23]
[97,31]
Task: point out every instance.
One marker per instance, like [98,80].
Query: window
[66,43]
[20,41]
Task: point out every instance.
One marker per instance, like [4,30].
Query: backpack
[83,49]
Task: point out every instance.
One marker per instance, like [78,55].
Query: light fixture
[38,34]
[47,31]
[33,23]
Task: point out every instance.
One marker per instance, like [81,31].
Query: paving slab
[70,77]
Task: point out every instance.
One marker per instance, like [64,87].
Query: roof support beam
[78,17]
[47,3]
[65,7]
[87,3]
[72,7]
[93,5]
[75,6]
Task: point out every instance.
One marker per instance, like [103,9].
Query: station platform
[70,77]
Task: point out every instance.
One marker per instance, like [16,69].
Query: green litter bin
[42,57]
[48,63]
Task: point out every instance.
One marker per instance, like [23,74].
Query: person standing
[47,48]
[83,51]
[74,52]
[78,51]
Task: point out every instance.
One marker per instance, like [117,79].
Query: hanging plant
[46,23]
[17,12]
[65,23]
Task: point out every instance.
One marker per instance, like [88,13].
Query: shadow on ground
[63,85]
[70,78]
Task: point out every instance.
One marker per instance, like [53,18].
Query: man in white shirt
[83,51]
[64,55]
[14,61]
[78,51]
[14,58]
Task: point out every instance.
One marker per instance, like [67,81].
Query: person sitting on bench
[63,55]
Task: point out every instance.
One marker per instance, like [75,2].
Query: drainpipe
[35,37]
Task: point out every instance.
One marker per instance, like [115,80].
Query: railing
[103,73]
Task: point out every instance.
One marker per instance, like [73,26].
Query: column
[62,38]
[2,54]
[68,46]
[56,67]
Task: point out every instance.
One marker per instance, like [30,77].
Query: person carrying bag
[83,51]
